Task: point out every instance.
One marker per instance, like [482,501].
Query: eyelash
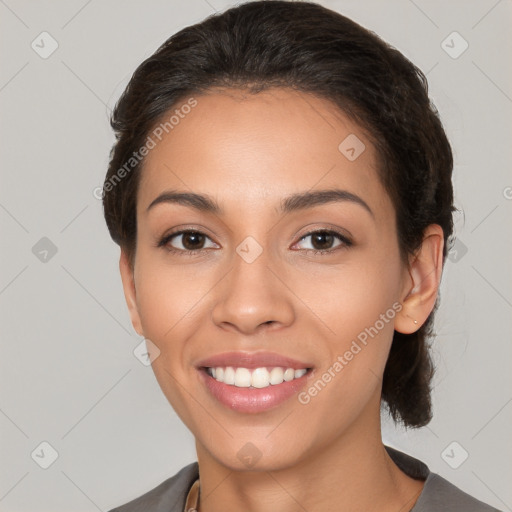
[345,242]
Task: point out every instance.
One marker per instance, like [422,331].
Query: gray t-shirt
[438,495]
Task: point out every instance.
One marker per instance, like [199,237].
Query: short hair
[306,47]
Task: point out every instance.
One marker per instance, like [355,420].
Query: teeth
[260,378]
[276,376]
[242,378]
[229,375]
[289,374]
[257,378]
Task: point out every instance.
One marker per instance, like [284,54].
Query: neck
[352,473]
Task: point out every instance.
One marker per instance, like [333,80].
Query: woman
[281,192]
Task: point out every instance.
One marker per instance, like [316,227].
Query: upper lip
[252,360]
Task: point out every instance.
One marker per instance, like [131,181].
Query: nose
[253,297]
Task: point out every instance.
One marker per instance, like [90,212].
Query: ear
[420,288]
[129,291]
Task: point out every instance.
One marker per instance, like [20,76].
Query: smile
[273,387]
[255,378]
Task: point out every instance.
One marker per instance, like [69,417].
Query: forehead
[247,148]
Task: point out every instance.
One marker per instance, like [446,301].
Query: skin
[249,152]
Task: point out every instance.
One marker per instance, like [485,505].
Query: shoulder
[169,496]
[439,494]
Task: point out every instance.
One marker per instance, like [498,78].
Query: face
[248,278]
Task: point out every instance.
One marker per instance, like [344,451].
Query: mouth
[253,382]
[258,378]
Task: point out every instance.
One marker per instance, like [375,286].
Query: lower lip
[252,400]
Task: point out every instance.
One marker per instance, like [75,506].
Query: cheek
[349,298]
[357,305]
[165,301]
[166,297]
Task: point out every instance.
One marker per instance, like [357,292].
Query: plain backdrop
[69,377]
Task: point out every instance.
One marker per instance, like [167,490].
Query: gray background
[68,373]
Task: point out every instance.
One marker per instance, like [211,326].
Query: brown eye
[325,241]
[186,241]
[322,240]
[192,240]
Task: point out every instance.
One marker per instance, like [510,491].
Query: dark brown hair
[306,47]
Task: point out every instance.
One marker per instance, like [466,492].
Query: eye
[324,241]
[186,241]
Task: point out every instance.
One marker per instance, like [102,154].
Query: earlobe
[130,294]
[421,288]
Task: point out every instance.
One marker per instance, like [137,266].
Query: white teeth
[257,378]
[276,376]
[219,374]
[229,375]
[242,378]
[260,378]
[289,374]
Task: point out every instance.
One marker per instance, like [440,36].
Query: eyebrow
[294,202]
